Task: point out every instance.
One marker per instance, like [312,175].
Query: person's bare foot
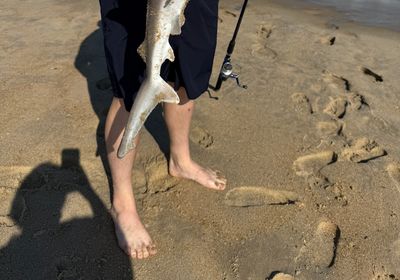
[131,234]
[204,176]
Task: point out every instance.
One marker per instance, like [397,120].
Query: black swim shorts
[124,26]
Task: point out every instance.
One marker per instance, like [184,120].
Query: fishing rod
[226,71]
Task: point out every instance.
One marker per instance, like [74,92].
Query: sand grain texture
[320,111]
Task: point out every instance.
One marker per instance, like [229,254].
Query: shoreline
[329,15]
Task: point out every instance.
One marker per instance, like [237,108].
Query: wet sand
[378,13]
[310,149]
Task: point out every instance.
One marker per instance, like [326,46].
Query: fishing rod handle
[219,82]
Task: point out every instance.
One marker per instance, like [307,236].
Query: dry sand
[313,144]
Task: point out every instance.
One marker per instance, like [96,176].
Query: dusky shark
[164,18]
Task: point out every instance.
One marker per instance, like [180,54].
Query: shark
[164,18]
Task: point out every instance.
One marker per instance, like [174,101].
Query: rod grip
[219,83]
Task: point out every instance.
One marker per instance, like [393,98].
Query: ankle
[124,204]
[180,159]
[177,164]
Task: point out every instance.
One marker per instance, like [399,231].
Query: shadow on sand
[90,61]
[66,231]
[48,246]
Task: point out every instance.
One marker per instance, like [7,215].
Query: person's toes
[152,249]
[223,182]
[134,254]
[220,181]
[139,253]
[219,185]
[214,185]
[145,252]
[217,175]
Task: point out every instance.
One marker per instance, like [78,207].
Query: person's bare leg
[178,118]
[131,234]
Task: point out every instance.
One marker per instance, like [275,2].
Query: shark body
[164,18]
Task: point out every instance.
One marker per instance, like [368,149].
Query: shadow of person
[66,231]
[90,62]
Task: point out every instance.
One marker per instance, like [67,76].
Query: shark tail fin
[165,93]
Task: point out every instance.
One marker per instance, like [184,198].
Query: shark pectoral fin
[166,93]
[142,50]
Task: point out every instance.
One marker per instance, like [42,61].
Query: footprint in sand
[201,137]
[369,72]
[362,150]
[329,128]
[281,276]
[319,253]
[336,82]
[301,103]
[318,180]
[339,194]
[393,170]
[157,176]
[328,40]
[383,274]
[265,31]
[310,166]
[356,101]
[257,196]
[260,46]
[336,107]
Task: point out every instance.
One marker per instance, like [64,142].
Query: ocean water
[382,13]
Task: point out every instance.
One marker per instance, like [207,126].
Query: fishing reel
[227,73]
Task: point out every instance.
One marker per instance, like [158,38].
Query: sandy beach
[310,150]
